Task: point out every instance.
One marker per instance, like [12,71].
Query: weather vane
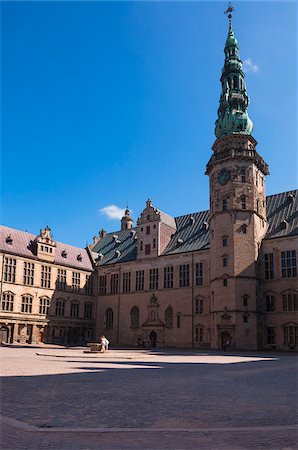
[229,12]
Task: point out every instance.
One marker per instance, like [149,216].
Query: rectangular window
[60,308]
[27,304]
[148,229]
[224,242]
[269,266]
[140,280]
[141,246]
[178,320]
[199,274]
[225,282]
[288,264]
[10,270]
[102,284]
[199,334]
[154,243]
[270,303]
[184,275]
[270,332]
[88,311]
[126,281]
[147,249]
[44,305]
[114,283]
[7,301]
[290,302]
[46,276]
[28,277]
[291,335]
[74,310]
[153,279]
[243,177]
[61,280]
[88,285]
[76,281]
[243,202]
[199,306]
[168,277]
[224,204]
[225,262]
[245,318]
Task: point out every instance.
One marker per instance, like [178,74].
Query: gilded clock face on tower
[223,176]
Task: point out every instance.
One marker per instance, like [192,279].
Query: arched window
[88,310]
[169,317]
[135,317]
[109,317]
[7,301]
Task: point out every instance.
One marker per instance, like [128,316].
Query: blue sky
[105,103]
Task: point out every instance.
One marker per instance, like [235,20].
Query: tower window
[235,82]
[243,176]
[243,202]
[225,282]
[224,204]
[225,262]
[224,242]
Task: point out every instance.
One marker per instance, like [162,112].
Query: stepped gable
[282,214]
[23,244]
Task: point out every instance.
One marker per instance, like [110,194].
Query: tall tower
[238,211]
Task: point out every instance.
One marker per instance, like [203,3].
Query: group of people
[104,343]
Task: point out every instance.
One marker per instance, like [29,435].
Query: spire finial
[229,11]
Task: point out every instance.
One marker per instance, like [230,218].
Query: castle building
[47,290]
[227,276]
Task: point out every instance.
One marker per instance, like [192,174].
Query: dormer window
[9,240]
[192,220]
[64,254]
[79,257]
[179,241]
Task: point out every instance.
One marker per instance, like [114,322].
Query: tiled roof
[192,231]
[282,214]
[122,242]
[23,243]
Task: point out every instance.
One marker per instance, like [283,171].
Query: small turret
[126,221]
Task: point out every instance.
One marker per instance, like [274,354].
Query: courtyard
[65,398]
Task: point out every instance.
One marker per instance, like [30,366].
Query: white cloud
[249,66]
[112,212]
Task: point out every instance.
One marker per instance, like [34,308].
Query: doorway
[153,339]
[4,333]
[226,340]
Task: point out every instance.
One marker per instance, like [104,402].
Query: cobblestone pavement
[58,398]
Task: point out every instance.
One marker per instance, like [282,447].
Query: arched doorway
[153,339]
[226,340]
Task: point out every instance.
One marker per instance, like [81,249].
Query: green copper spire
[232,112]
